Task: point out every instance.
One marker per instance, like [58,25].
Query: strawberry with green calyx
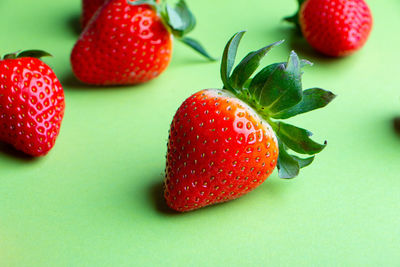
[224,143]
[31,103]
[130,42]
[334,27]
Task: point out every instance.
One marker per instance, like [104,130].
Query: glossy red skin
[123,44]
[335,27]
[218,150]
[31,105]
[89,7]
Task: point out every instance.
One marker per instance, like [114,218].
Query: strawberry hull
[219,149]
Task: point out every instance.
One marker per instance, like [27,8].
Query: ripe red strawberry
[224,143]
[334,27]
[31,103]
[89,7]
[130,42]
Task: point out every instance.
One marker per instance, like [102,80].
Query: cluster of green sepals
[295,18]
[179,20]
[276,93]
[27,53]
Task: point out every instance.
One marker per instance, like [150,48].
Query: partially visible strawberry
[334,27]
[130,42]
[31,103]
[223,143]
[89,7]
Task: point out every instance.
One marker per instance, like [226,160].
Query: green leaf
[34,53]
[249,64]
[197,47]
[27,53]
[288,167]
[280,85]
[188,19]
[258,81]
[174,20]
[294,65]
[180,19]
[295,18]
[228,59]
[292,19]
[11,55]
[298,139]
[313,98]
[303,162]
[305,62]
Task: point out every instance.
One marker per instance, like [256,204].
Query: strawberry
[334,27]
[89,7]
[31,103]
[130,42]
[223,143]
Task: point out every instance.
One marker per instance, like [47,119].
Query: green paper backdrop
[95,200]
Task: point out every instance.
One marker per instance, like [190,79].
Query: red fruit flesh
[89,7]
[31,105]
[124,44]
[219,149]
[335,27]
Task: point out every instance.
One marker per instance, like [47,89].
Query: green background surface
[95,200]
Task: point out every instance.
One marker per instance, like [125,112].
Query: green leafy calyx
[276,93]
[295,18]
[179,20]
[27,53]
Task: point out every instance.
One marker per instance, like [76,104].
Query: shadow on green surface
[157,196]
[187,60]
[396,125]
[71,82]
[9,150]
[270,188]
[273,187]
[297,43]
[74,24]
